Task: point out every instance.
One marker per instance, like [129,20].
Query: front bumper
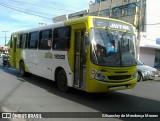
[153,74]
[99,86]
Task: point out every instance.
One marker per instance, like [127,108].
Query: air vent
[119,77]
[121,72]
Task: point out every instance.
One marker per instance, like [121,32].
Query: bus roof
[67,22]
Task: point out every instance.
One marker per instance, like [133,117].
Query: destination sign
[112,24]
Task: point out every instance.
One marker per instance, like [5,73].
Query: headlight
[145,72]
[98,75]
[149,72]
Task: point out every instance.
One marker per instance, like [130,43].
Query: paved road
[35,94]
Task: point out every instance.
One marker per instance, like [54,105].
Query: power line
[25,12]
[38,6]
[63,4]
[43,7]
[13,4]
[21,7]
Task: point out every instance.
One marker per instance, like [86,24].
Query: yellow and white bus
[94,54]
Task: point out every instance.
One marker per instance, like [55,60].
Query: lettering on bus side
[48,55]
[57,56]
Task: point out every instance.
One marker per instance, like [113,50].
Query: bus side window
[21,43]
[24,41]
[61,37]
[45,39]
[33,40]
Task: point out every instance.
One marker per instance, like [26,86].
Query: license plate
[117,88]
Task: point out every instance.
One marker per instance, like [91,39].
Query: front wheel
[62,81]
[22,69]
[139,77]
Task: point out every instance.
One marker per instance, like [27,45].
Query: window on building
[130,11]
[94,14]
[61,38]
[45,39]
[157,58]
[97,1]
[105,13]
[33,40]
[116,13]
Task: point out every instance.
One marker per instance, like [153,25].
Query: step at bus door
[80,60]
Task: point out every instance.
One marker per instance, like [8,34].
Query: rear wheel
[62,81]
[22,69]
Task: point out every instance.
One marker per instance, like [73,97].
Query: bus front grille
[119,77]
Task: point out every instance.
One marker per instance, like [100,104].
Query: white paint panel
[45,67]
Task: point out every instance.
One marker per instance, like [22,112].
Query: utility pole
[5,36]
[110,13]
[139,27]
[99,8]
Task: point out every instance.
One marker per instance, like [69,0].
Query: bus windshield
[112,48]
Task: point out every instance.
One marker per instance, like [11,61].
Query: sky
[18,15]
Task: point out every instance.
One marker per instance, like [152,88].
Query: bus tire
[140,78]
[22,69]
[62,82]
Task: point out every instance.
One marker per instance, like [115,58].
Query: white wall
[153,17]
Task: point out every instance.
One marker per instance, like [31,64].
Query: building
[70,16]
[144,15]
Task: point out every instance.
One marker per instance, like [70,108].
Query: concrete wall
[94,8]
[115,3]
[147,56]
[130,19]
[105,4]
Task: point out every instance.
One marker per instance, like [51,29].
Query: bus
[91,53]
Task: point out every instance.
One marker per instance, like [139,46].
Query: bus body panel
[44,62]
[118,79]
